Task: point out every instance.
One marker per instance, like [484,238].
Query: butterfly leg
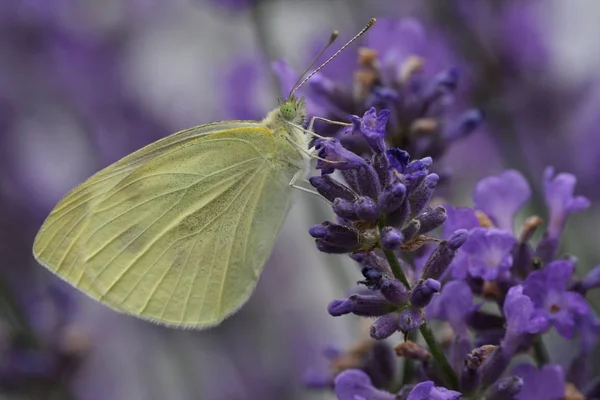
[311,153]
[313,119]
[293,184]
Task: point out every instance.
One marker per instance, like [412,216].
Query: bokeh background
[85,82]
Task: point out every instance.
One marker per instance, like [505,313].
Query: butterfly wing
[177,232]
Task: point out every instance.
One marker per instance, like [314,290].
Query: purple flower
[558,191]
[521,318]
[488,252]
[547,289]
[453,304]
[354,384]
[547,383]
[372,127]
[426,391]
[500,197]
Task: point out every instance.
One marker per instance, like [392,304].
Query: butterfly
[179,231]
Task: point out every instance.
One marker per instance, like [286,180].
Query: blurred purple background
[83,83]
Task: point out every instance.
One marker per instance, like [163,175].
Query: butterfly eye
[288,111]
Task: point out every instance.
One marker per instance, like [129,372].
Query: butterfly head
[293,110]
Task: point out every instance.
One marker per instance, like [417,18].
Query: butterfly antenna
[333,37]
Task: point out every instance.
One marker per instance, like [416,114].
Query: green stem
[393,262]
[448,375]
[540,352]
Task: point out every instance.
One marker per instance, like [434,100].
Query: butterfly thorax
[286,122]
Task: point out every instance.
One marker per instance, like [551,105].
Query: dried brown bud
[412,351]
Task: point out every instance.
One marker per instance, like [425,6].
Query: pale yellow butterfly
[179,231]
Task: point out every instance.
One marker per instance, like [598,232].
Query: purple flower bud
[504,389]
[366,209]
[470,379]
[368,181]
[493,366]
[411,229]
[546,248]
[381,364]
[410,319]
[398,159]
[423,292]
[481,320]
[522,255]
[329,248]
[417,167]
[443,83]
[419,198]
[374,260]
[382,95]
[466,124]
[392,198]
[373,278]
[330,188]
[385,326]
[345,209]
[391,238]
[318,231]
[336,156]
[442,256]
[351,179]
[394,291]
[382,167]
[363,305]
[400,216]
[431,219]
[337,239]
[592,279]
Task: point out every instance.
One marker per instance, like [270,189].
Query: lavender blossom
[547,290]
[414,84]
